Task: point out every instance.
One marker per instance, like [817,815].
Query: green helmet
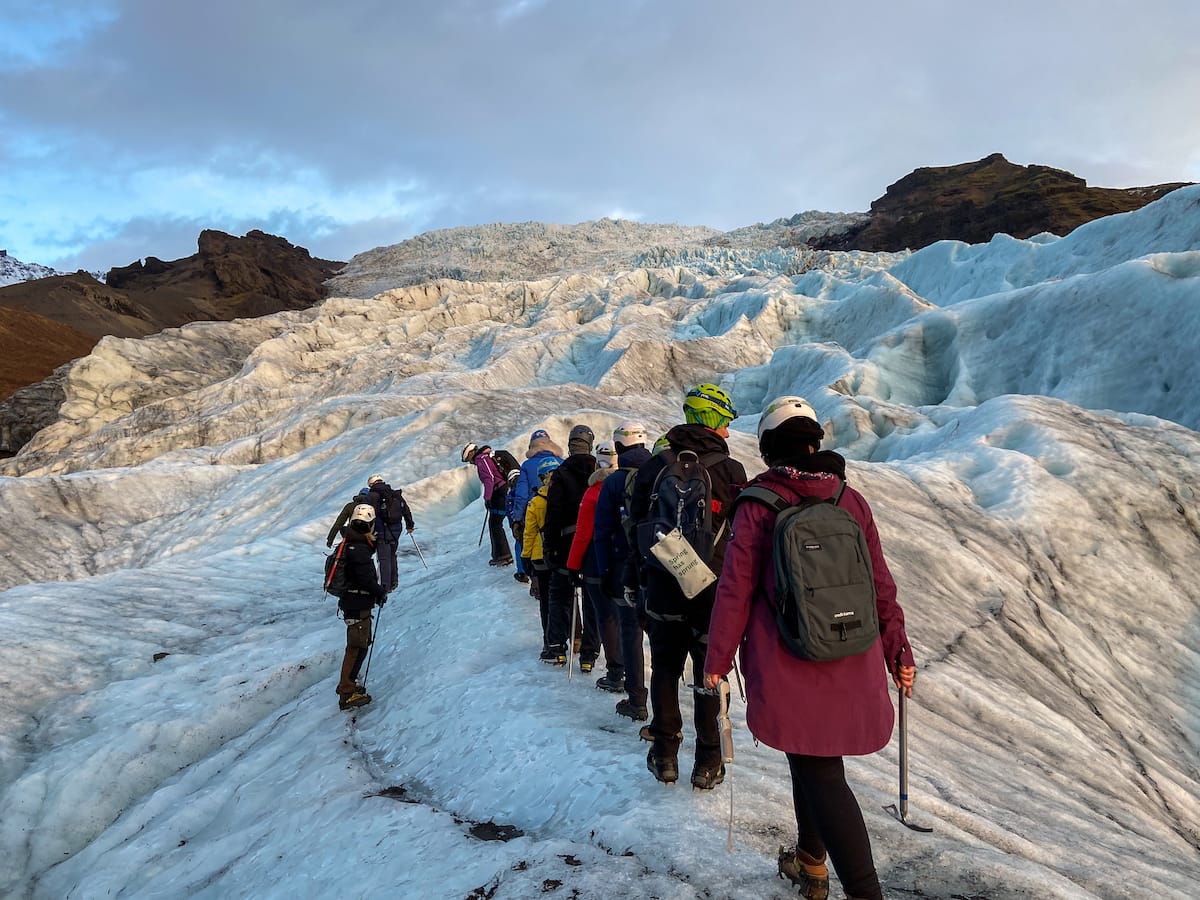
[709,405]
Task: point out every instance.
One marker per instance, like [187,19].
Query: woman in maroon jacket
[815,712]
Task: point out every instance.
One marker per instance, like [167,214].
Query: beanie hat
[539,435]
[790,438]
[580,441]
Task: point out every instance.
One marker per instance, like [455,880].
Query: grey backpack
[825,589]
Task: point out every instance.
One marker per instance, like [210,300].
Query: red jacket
[836,708]
[585,525]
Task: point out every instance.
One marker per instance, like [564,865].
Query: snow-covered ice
[1020,414]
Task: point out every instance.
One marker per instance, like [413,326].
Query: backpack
[392,507]
[825,589]
[680,499]
[335,572]
[627,523]
[506,463]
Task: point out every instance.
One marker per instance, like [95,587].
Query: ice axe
[901,811]
[422,555]
[371,652]
[571,634]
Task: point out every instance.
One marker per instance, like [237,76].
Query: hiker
[678,626]
[344,516]
[611,544]
[814,711]
[391,512]
[531,548]
[362,593]
[581,563]
[541,448]
[562,509]
[495,490]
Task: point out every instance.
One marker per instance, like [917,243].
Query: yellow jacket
[535,519]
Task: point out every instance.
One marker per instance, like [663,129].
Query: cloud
[435,113]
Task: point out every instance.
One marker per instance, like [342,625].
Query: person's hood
[698,439]
[599,475]
[823,462]
[545,444]
[633,457]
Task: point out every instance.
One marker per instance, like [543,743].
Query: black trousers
[498,535]
[828,818]
[671,644]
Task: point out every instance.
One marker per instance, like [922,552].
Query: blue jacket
[608,537]
[528,483]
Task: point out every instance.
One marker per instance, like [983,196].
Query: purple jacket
[489,475]
[836,708]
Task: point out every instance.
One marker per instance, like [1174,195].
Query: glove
[576,577]
[329,544]
[382,600]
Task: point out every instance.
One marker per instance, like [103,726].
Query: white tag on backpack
[678,558]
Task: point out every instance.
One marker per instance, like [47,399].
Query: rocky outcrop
[975,201]
[46,322]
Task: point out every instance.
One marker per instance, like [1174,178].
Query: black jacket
[381,493]
[359,556]
[567,486]
[727,476]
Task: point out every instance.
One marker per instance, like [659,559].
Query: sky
[128,126]
[1034,483]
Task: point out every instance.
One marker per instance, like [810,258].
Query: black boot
[665,768]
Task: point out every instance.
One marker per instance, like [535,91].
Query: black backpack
[393,507]
[335,572]
[506,463]
[825,588]
[681,498]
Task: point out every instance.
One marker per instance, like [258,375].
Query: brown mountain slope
[975,201]
[31,346]
[228,278]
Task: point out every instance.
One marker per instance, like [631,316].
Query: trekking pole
[371,651]
[901,813]
[419,553]
[487,513]
[571,633]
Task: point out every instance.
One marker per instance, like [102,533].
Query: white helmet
[630,434]
[781,409]
[373,479]
[606,455]
[468,453]
[364,513]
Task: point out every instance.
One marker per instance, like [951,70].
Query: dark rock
[975,201]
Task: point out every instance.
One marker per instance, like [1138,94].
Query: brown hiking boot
[349,701]
[808,874]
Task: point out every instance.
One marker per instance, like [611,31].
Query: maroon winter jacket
[835,708]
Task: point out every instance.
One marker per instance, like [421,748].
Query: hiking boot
[586,665]
[706,776]
[665,768]
[502,561]
[637,713]
[554,656]
[521,577]
[349,701]
[808,874]
[645,734]
[608,683]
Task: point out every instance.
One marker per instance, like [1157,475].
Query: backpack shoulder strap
[762,495]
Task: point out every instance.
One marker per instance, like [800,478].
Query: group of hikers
[670,541]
